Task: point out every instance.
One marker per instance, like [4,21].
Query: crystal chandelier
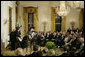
[76,4]
[62,9]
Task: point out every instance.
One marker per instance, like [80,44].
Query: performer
[32,37]
[14,38]
[18,36]
[31,33]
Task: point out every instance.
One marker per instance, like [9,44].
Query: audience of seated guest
[71,41]
[74,44]
[69,30]
[54,37]
[36,52]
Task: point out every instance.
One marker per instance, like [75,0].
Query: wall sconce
[72,24]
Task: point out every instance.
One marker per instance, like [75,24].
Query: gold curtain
[52,19]
[16,14]
[81,19]
[25,21]
[36,19]
[30,10]
[63,26]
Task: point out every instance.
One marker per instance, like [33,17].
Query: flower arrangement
[50,45]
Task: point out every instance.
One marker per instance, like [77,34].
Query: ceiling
[50,3]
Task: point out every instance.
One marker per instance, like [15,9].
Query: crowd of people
[72,41]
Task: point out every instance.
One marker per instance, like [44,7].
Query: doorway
[10,19]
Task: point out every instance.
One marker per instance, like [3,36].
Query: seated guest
[47,36]
[24,42]
[42,39]
[39,39]
[74,45]
[81,46]
[50,36]
[19,52]
[81,34]
[69,30]
[69,53]
[36,52]
[66,39]
[51,52]
[60,39]
[77,30]
[45,50]
[54,37]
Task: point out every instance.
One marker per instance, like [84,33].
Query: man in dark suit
[69,30]
[12,39]
[15,43]
[18,35]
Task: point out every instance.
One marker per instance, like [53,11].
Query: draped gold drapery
[81,19]
[52,19]
[63,23]
[16,14]
[30,10]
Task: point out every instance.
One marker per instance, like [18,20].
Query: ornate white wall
[5,17]
[44,13]
[72,16]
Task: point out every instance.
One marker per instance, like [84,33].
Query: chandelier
[62,9]
[76,4]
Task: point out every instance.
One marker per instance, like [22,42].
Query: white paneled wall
[5,17]
[44,13]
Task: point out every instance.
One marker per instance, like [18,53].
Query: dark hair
[17,28]
[32,28]
[35,48]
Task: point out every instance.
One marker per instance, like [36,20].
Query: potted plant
[51,46]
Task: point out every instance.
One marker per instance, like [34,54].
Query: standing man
[31,36]
[14,35]
[31,32]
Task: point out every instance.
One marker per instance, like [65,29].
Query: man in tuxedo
[12,39]
[69,30]
[18,35]
[47,37]
[31,30]
[59,39]
[54,37]
[80,47]
[15,43]
[32,37]
[31,33]
[50,36]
